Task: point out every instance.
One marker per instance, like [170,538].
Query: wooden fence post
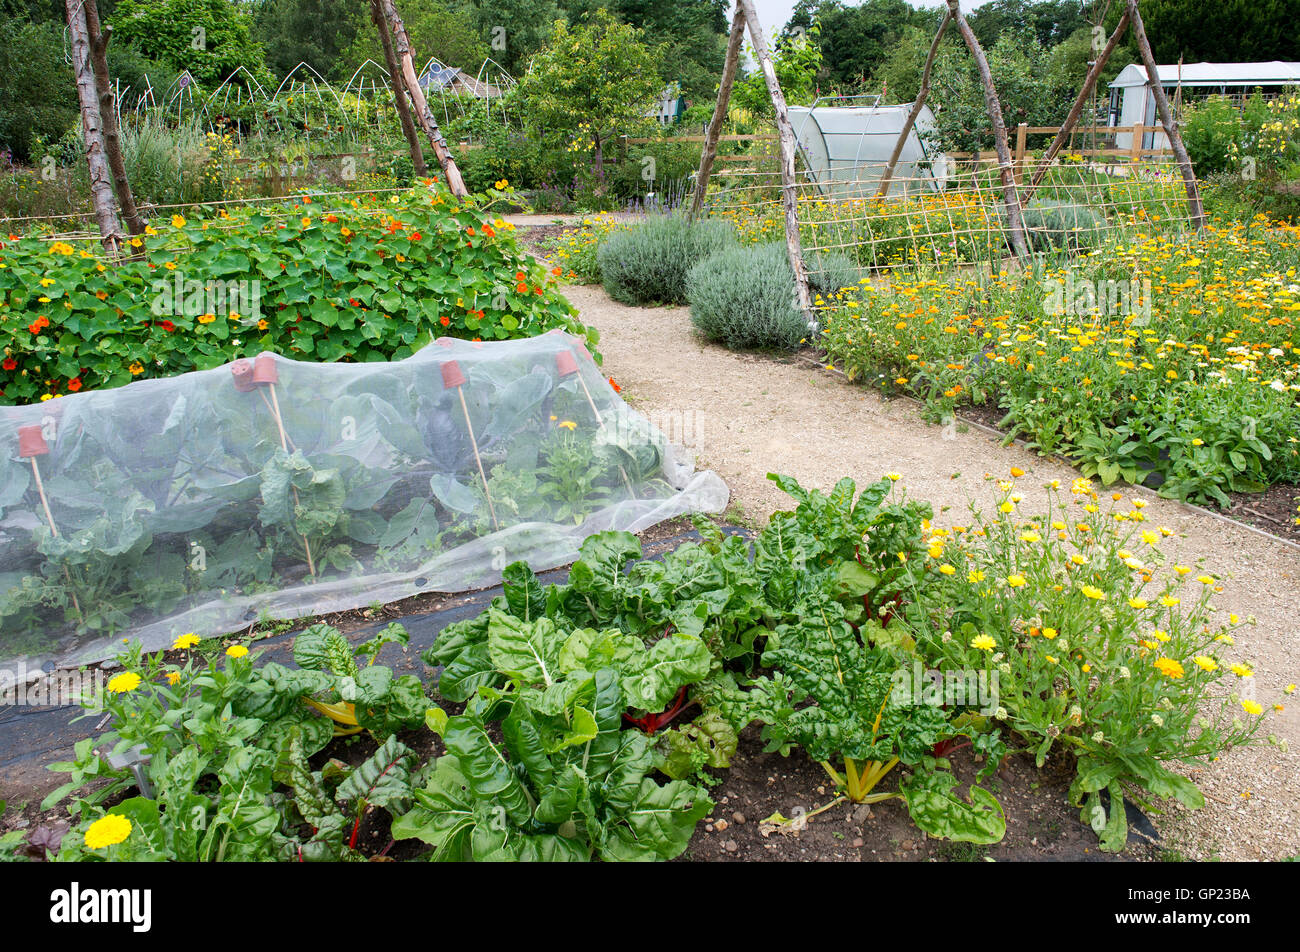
[1022,131]
[1135,146]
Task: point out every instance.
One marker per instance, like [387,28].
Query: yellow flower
[947,569]
[1137,603]
[501,184]
[1169,668]
[1169,601]
[568,425]
[1078,559]
[975,576]
[237,651]
[1007,507]
[178,221]
[1289,689]
[1049,659]
[173,677]
[893,477]
[107,830]
[125,682]
[1016,581]
[1241,670]
[1149,537]
[1181,569]
[1250,707]
[1091,591]
[1206,663]
[185,641]
[1030,537]
[1205,580]
[1049,633]
[983,643]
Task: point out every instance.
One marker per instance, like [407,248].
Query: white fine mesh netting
[273,488]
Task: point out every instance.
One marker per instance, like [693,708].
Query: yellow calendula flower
[1169,668]
[1250,707]
[568,425]
[1030,537]
[1093,592]
[107,831]
[1049,659]
[1205,580]
[173,677]
[1050,633]
[1137,603]
[237,651]
[1007,507]
[983,643]
[1016,581]
[1289,689]
[893,477]
[1149,537]
[1241,670]
[1078,559]
[1169,601]
[975,577]
[1182,569]
[178,221]
[947,569]
[185,641]
[124,683]
[1206,663]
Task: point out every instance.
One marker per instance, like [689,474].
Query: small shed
[846,148]
[1131,99]
[669,107]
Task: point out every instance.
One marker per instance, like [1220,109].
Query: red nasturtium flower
[9,364]
[487,230]
[470,231]
[444,320]
[521,288]
[617,388]
[416,236]
[74,384]
[168,326]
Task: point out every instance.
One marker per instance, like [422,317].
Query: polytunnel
[846,149]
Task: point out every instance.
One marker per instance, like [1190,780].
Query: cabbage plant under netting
[274,488]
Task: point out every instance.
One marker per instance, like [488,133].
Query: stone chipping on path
[746,416]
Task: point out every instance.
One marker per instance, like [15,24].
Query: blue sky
[774,13]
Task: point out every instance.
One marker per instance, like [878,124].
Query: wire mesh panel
[1076,205]
[275,488]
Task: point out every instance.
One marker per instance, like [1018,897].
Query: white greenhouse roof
[1275,73]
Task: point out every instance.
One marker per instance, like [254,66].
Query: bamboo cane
[478,459]
[54,529]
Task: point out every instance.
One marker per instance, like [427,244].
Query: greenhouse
[846,148]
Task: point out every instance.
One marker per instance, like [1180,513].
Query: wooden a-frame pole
[399,96]
[1085,93]
[1167,117]
[101,181]
[403,46]
[785,137]
[916,109]
[99,37]
[1010,197]
[729,68]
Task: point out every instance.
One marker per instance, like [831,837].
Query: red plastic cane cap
[451,375]
[444,341]
[31,441]
[566,363]
[242,371]
[264,369]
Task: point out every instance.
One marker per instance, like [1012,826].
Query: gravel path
[747,416]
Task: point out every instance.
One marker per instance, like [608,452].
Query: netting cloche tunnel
[275,488]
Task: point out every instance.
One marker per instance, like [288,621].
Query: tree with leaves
[210,38]
[595,80]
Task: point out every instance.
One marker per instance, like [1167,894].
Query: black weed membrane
[271,488]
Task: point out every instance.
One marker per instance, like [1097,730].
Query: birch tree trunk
[101,182]
[108,116]
[399,97]
[403,45]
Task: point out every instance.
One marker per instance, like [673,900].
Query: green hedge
[648,263]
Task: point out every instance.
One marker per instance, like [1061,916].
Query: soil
[1041,825]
